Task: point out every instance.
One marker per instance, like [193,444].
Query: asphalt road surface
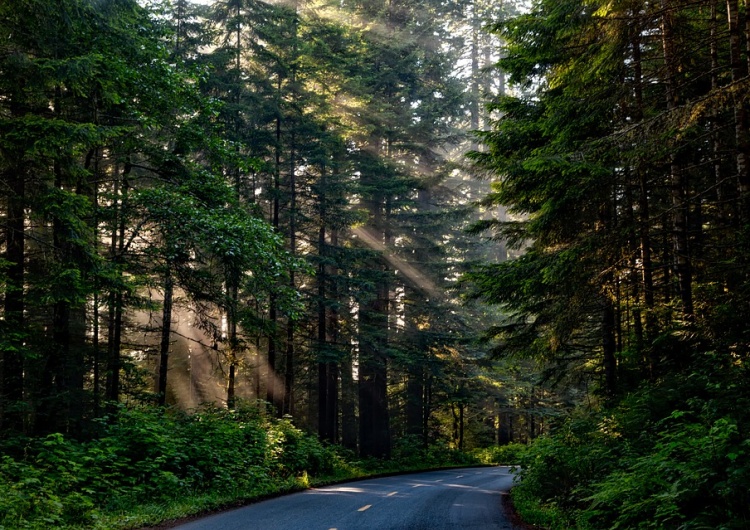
[437,500]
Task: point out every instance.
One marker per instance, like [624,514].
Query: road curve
[468,498]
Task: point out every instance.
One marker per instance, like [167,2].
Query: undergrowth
[147,465]
[508,455]
[670,455]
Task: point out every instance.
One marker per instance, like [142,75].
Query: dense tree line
[623,154]
[245,201]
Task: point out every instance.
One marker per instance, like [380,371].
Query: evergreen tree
[625,159]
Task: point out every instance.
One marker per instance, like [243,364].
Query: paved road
[437,500]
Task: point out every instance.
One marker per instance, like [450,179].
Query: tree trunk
[55,384]
[415,390]
[290,353]
[643,221]
[416,369]
[504,429]
[289,365]
[96,355]
[271,378]
[325,421]
[634,279]
[289,370]
[166,333]
[716,121]
[374,314]
[233,280]
[454,414]
[461,422]
[427,409]
[114,342]
[11,357]
[742,148]
[678,185]
[328,374]
[609,347]
[374,435]
[349,424]
[271,384]
[257,362]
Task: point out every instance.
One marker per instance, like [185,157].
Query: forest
[249,245]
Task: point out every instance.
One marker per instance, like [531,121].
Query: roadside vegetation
[670,455]
[146,466]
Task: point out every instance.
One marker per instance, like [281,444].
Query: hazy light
[416,278]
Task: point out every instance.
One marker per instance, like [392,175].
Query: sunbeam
[415,277]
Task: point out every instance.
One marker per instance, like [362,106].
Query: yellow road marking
[365,507]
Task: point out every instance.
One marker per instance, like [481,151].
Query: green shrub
[409,452]
[508,454]
[146,461]
[696,476]
[147,456]
[26,498]
[671,455]
[296,452]
[440,454]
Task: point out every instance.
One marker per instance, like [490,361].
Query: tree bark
[289,365]
[116,299]
[415,390]
[374,314]
[643,221]
[349,420]
[166,333]
[374,434]
[271,385]
[742,148]
[11,357]
[461,425]
[326,393]
[609,347]
[271,377]
[678,184]
[504,434]
[233,279]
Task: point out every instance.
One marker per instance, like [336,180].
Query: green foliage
[145,456]
[409,452]
[625,283]
[672,455]
[145,460]
[297,452]
[508,454]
